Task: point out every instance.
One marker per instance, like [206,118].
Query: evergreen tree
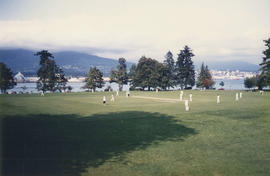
[208,82]
[205,78]
[120,75]
[169,63]
[46,72]
[6,78]
[207,73]
[265,65]
[44,56]
[201,76]
[180,71]
[185,74]
[94,79]
[51,77]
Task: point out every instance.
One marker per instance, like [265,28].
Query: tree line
[147,74]
[150,74]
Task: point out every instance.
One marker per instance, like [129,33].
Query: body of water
[77,87]
[230,84]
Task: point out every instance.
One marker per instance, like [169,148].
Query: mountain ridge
[78,63]
[72,62]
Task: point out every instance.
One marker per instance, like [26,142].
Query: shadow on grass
[236,114]
[68,144]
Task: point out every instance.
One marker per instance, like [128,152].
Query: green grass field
[75,134]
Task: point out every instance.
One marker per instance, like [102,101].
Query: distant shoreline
[71,79]
[107,79]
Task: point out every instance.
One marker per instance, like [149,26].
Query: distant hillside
[230,65]
[73,63]
[77,64]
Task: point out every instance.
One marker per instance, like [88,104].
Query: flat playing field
[148,133]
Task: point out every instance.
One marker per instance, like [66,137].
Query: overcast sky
[214,29]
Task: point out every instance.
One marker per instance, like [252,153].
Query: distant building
[19,77]
[32,79]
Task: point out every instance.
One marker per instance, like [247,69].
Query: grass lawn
[75,134]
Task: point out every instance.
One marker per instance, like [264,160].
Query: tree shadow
[240,114]
[68,144]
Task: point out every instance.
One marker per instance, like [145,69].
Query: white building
[19,77]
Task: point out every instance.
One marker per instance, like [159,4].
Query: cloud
[227,30]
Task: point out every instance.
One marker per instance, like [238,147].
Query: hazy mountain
[19,60]
[73,63]
[77,64]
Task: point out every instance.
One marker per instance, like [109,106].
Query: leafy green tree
[250,82]
[208,83]
[147,73]
[94,79]
[6,78]
[164,76]
[184,68]
[131,76]
[265,65]
[170,64]
[51,77]
[120,75]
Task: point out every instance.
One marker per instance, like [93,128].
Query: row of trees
[149,73]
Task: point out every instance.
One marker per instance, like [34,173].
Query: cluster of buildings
[232,75]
